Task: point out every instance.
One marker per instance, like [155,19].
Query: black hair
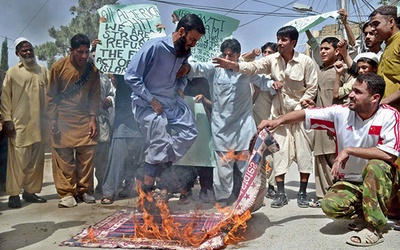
[78,40]
[366,24]
[271,45]
[289,31]
[331,40]
[191,22]
[232,44]
[386,10]
[375,83]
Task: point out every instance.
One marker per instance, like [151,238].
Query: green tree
[4,55]
[85,21]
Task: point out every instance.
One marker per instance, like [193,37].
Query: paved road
[44,226]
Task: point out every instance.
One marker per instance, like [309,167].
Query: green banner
[306,23]
[218,27]
[126,29]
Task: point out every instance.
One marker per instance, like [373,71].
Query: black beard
[180,47]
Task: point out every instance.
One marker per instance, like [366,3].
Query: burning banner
[194,230]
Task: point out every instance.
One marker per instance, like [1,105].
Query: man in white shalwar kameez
[232,123]
[298,74]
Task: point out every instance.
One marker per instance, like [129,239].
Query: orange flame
[267,167]
[163,227]
[91,235]
[238,156]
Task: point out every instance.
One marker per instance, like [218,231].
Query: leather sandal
[366,238]
[107,200]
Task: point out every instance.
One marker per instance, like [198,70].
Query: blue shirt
[152,73]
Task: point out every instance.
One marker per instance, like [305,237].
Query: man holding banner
[157,96]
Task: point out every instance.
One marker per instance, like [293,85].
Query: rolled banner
[253,186]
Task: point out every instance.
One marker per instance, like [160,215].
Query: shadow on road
[27,234]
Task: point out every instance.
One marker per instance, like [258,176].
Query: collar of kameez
[322,67]
[169,41]
[393,38]
[21,65]
[294,58]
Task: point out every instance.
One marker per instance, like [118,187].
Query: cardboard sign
[218,27]
[126,29]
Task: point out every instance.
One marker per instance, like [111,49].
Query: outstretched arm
[289,118]
[226,64]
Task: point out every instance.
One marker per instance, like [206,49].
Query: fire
[267,167]
[232,227]
[162,226]
[155,223]
[240,156]
[91,236]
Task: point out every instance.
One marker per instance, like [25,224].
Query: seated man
[368,143]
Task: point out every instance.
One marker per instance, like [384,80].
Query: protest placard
[218,27]
[126,29]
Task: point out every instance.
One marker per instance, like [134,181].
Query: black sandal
[184,199]
[107,201]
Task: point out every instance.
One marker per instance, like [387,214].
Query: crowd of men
[353,110]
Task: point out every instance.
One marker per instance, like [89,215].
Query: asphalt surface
[44,226]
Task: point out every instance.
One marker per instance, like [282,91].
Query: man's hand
[157,107]
[340,161]
[9,129]
[92,128]
[107,103]
[54,127]
[95,42]
[1,123]
[225,64]
[307,103]
[342,46]
[343,15]
[160,27]
[199,98]
[269,124]
[181,94]
[183,70]
[277,85]
[339,67]
[249,56]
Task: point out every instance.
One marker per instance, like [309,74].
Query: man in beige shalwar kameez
[23,109]
[73,97]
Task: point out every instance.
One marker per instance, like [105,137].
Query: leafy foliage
[85,21]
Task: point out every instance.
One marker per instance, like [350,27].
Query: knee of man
[374,167]
[329,207]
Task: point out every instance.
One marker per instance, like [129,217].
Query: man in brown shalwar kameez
[73,97]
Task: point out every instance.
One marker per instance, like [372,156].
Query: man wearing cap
[23,108]
[366,62]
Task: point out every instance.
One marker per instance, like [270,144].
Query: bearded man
[157,98]
[23,110]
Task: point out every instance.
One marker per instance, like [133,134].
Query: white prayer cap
[20,40]
[369,55]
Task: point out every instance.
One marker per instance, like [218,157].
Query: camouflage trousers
[369,199]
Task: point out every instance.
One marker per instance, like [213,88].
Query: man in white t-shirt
[368,143]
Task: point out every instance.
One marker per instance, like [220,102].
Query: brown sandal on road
[366,238]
